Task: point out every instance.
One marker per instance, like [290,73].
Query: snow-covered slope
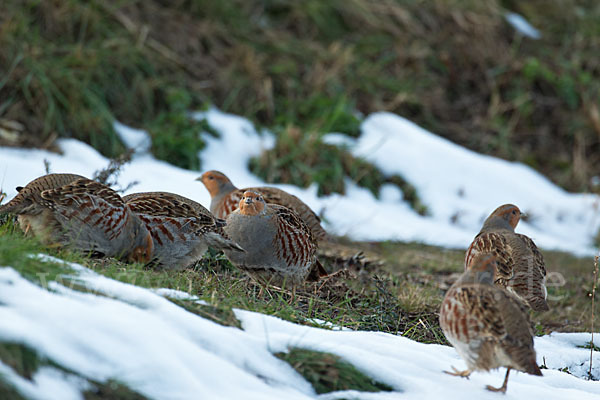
[459,187]
[134,335]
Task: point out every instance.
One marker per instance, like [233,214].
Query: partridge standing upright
[182,230]
[225,198]
[488,326]
[278,243]
[70,210]
[521,268]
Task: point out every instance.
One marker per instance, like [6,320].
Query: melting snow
[458,186]
[134,335]
[522,26]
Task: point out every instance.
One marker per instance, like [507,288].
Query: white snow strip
[47,383]
[459,187]
[416,368]
[135,139]
[164,352]
[521,25]
[142,339]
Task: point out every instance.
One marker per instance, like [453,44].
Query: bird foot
[463,374]
[501,389]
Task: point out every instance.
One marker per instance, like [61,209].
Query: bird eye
[514,212]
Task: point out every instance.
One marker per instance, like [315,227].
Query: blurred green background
[68,68]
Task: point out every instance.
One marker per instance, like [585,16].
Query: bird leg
[462,374]
[502,388]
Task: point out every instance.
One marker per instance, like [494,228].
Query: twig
[110,173]
[46,165]
[593,296]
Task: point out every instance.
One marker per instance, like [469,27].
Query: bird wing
[90,203]
[24,202]
[162,204]
[538,258]
[496,244]
[291,220]
[278,196]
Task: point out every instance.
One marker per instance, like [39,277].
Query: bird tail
[532,367]
[538,304]
[316,272]
[222,242]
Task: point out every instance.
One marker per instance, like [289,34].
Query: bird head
[252,203]
[507,213]
[144,252]
[215,182]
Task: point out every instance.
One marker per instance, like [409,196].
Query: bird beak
[198,179]
[248,200]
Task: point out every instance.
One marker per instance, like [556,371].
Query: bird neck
[225,189]
[495,223]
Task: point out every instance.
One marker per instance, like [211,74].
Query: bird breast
[255,234]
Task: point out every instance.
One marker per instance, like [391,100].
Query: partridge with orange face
[521,269]
[70,210]
[488,326]
[225,198]
[181,229]
[278,244]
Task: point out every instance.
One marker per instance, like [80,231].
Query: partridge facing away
[279,245]
[488,326]
[181,229]
[225,198]
[521,269]
[70,210]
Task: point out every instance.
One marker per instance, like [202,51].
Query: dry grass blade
[593,297]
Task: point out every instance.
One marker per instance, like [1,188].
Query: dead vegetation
[455,67]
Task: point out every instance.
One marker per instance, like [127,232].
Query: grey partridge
[488,326]
[182,230]
[70,210]
[279,245]
[225,198]
[521,269]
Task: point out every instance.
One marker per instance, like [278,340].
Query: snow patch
[158,349]
[459,187]
[522,26]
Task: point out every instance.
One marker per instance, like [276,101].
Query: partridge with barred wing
[225,198]
[279,245]
[521,269]
[181,229]
[488,326]
[70,210]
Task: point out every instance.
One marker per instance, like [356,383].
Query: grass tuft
[302,158]
[329,373]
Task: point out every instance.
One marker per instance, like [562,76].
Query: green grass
[302,158]
[388,286]
[72,66]
[25,362]
[328,373]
